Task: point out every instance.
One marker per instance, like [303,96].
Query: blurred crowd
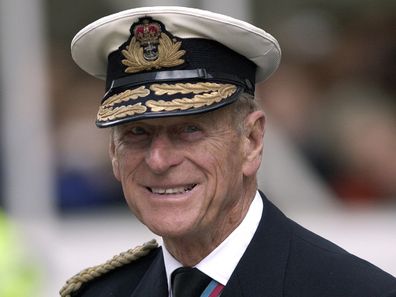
[84,176]
[335,95]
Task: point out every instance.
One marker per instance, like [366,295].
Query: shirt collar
[221,262]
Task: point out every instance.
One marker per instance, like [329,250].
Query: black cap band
[127,82]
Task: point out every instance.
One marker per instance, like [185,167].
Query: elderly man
[186,144]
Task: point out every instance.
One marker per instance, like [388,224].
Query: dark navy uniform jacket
[283,259]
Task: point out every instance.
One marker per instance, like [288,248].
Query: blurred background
[330,146]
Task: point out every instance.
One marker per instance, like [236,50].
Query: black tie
[188,282]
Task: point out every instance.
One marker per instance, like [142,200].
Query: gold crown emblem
[148,35]
[151,48]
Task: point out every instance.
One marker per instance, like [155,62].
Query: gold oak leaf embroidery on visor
[107,112]
[169,55]
[205,94]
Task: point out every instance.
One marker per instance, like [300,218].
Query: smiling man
[186,144]
[190,179]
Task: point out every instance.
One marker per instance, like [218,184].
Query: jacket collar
[261,270]
[153,283]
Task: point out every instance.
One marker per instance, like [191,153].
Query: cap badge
[151,47]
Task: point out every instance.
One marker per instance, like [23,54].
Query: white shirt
[222,261]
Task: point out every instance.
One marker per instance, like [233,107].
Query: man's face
[181,176]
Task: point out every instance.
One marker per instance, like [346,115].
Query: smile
[172,191]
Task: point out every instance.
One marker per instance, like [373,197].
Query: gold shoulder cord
[75,283]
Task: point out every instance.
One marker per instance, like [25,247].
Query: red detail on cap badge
[148,35]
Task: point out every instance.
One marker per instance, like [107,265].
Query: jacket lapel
[261,270]
[153,283]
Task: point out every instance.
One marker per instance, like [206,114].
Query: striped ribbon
[213,289]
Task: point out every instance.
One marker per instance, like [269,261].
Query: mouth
[171,191]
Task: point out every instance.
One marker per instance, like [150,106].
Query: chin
[166,229]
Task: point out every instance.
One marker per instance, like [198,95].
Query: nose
[162,154]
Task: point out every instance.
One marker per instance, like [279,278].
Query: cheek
[223,165]
[127,163]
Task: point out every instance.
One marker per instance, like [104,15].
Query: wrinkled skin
[189,179]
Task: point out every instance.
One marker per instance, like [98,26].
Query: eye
[138,130]
[135,133]
[191,129]
[190,132]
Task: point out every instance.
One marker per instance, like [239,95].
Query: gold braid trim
[223,91]
[120,112]
[107,112]
[169,55]
[186,88]
[75,283]
[126,96]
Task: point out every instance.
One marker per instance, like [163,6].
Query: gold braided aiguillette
[87,275]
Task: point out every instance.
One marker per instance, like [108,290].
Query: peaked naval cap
[173,61]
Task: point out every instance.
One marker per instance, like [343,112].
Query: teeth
[168,191]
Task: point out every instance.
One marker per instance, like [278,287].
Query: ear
[253,146]
[113,157]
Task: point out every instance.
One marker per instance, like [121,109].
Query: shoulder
[315,266]
[129,265]
[317,263]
